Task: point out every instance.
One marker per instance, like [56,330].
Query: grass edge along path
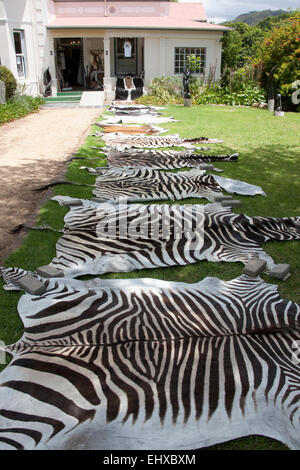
[268,158]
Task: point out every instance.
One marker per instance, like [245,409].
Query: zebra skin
[122,141]
[107,237]
[134,109]
[162,159]
[149,364]
[147,184]
[136,114]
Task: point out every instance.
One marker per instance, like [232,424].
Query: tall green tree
[280,52]
[240,44]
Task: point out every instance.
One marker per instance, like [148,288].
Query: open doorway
[69,63]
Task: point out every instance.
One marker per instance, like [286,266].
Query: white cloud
[229,9]
[216,19]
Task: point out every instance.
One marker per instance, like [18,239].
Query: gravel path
[33,151]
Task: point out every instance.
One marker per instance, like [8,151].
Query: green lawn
[269,157]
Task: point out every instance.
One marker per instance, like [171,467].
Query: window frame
[119,54]
[180,56]
[22,54]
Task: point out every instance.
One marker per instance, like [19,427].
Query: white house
[87,44]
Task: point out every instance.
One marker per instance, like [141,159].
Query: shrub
[246,95]
[18,107]
[235,88]
[163,90]
[165,83]
[10,82]
[248,75]
[149,100]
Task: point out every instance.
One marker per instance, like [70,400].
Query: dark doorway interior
[70,62]
[72,65]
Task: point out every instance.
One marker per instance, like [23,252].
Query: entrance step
[75,99]
[69,93]
[92,98]
[65,97]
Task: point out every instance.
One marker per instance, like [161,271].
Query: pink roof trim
[135,23]
[187,11]
[181,16]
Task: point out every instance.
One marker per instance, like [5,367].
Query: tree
[280,52]
[240,45]
[232,47]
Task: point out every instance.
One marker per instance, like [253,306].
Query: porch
[93,63]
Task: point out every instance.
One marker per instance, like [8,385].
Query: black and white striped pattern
[162,159]
[134,109]
[149,185]
[211,232]
[123,141]
[146,364]
[12,275]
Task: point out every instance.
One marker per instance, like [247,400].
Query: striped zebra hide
[147,184]
[149,364]
[134,109]
[122,141]
[162,159]
[107,237]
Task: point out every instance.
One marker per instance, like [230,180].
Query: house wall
[152,58]
[5,56]
[30,16]
[159,48]
[160,51]
[17,16]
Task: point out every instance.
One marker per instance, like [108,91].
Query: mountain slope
[254,17]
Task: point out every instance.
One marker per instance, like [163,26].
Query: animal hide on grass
[122,142]
[150,185]
[162,159]
[149,364]
[101,238]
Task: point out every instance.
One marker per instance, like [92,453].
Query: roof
[182,16]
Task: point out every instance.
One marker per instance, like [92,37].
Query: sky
[222,10]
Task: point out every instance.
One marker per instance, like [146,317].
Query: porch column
[162,55]
[108,81]
[106,43]
[52,68]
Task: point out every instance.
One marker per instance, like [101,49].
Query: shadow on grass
[249,443]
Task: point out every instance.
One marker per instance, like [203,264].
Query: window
[20,52]
[126,56]
[181,54]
